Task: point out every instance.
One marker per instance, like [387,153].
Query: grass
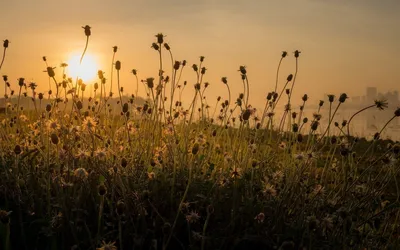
[108,173]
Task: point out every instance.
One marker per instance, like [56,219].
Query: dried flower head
[87,30]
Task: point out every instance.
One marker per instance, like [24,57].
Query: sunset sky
[345,45]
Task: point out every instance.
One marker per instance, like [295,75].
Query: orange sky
[346,45]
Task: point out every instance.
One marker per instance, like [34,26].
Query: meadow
[115,172]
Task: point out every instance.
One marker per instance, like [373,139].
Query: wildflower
[299,156]
[4,216]
[326,224]
[100,153]
[81,173]
[197,236]
[89,124]
[52,125]
[260,217]
[269,189]
[318,189]
[82,154]
[108,246]
[236,172]
[192,217]
[278,176]
[56,221]
[282,145]
[23,118]
[151,175]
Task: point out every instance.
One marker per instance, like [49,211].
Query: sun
[87,70]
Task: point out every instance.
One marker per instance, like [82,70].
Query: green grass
[162,174]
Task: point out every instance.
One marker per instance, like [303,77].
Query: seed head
[117,65]
[87,30]
[314,125]
[102,190]
[195,68]
[54,139]
[17,149]
[243,70]
[305,97]
[5,78]
[331,98]
[125,107]
[134,72]
[295,127]
[166,46]
[120,207]
[150,82]
[5,43]
[50,71]
[224,80]
[284,54]
[342,98]
[296,53]
[397,112]
[381,104]
[21,82]
[115,49]
[246,114]
[124,162]
[289,78]
[177,65]
[160,38]
[321,103]
[155,46]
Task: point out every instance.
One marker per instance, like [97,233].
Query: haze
[346,45]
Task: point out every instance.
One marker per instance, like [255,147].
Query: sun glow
[87,70]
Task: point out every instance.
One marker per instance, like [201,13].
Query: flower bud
[343,98]
[5,43]
[117,65]
[87,30]
[160,38]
